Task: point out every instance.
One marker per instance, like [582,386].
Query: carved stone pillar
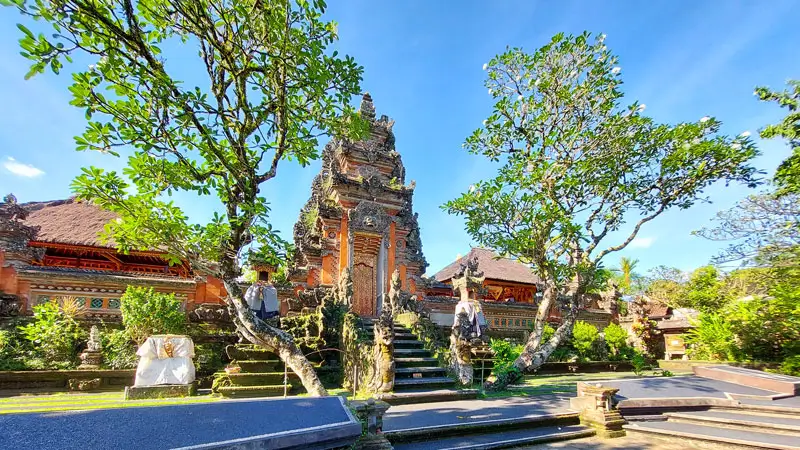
[598,409]
[370,413]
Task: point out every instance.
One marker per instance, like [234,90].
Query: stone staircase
[418,376]
[262,374]
[741,427]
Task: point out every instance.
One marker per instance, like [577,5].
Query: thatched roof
[492,266]
[69,221]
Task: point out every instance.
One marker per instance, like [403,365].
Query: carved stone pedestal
[370,412]
[598,409]
[90,360]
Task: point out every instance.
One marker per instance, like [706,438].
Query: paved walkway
[689,386]
[623,443]
[402,417]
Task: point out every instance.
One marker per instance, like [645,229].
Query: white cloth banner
[165,360]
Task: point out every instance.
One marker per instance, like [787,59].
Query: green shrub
[583,337]
[791,366]
[616,338]
[55,336]
[547,332]
[12,351]
[648,333]
[712,338]
[639,363]
[562,353]
[208,358]
[119,351]
[505,353]
[146,312]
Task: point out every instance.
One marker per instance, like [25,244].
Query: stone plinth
[370,413]
[598,409]
[160,391]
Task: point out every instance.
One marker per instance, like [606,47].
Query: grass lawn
[533,385]
[72,401]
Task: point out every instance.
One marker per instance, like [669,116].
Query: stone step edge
[433,396]
[489,426]
[419,369]
[423,381]
[556,436]
[739,423]
[638,428]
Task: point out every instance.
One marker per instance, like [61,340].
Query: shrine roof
[69,221]
[104,275]
[493,267]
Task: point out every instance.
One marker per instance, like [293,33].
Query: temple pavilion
[53,249]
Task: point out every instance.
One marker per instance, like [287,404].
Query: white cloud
[21,169]
[642,242]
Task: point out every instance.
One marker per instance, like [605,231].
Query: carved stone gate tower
[360,217]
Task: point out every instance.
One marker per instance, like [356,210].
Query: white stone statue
[165,359]
[262,298]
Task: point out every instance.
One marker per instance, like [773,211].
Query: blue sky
[422,59]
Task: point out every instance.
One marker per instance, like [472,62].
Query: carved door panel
[364,292]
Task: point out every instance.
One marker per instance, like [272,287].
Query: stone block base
[161,391]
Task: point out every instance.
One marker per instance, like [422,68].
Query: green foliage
[272,86]
[712,338]
[791,366]
[54,335]
[787,177]
[584,336]
[13,349]
[119,351]
[616,337]
[667,373]
[704,290]
[505,353]
[146,312]
[639,364]
[547,332]
[575,161]
[647,332]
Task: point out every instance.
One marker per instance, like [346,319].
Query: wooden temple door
[365,275]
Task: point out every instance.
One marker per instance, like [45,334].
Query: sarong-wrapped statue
[467,308]
[262,298]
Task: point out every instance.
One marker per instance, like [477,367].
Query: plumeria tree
[580,172]
[267,88]
[787,177]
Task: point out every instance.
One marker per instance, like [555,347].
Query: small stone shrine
[91,358]
[360,217]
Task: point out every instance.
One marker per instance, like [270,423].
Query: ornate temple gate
[367,273]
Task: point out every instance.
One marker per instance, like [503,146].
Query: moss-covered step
[252,391]
[256,366]
[259,379]
[416,361]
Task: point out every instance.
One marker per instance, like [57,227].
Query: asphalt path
[167,427]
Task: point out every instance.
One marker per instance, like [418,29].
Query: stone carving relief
[369,216]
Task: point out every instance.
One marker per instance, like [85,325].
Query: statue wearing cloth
[262,298]
[165,359]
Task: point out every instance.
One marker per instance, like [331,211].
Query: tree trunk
[279,341]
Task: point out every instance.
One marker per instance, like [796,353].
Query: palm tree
[626,266]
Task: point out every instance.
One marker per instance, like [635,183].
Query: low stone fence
[553,368]
[677,365]
[60,380]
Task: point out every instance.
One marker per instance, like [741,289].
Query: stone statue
[383,353]
[91,358]
[469,325]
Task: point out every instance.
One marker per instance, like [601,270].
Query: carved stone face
[369,222]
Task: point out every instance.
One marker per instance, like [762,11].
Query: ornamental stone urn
[91,358]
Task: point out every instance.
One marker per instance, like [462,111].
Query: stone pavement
[623,443]
[403,417]
[688,386]
[177,426]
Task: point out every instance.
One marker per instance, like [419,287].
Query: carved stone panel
[370,217]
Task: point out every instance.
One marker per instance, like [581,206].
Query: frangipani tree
[267,89]
[580,172]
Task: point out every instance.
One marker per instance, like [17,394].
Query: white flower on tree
[485,66]
[705,119]
[641,107]
[616,70]
[745,134]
